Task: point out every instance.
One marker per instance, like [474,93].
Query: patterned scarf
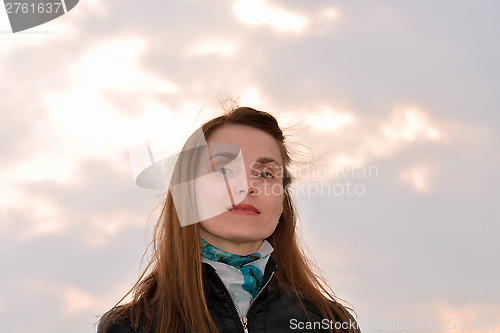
[242,275]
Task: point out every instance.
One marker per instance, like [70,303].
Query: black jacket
[275,309]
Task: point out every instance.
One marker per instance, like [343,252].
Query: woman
[240,268]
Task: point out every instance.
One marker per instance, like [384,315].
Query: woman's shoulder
[342,315]
[116,321]
[111,322]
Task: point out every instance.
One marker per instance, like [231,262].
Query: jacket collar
[271,267]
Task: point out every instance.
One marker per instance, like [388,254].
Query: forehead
[254,143]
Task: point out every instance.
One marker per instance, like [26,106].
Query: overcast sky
[391,107]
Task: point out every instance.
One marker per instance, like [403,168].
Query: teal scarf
[252,275]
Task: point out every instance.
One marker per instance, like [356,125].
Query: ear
[283,203]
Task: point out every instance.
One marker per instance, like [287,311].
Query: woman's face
[239,195]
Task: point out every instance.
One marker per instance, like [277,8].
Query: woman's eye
[265,174]
[223,171]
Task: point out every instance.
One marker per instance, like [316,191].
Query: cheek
[268,188]
[213,190]
[209,225]
[212,198]
[273,199]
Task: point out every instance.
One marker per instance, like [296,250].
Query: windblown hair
[169,296]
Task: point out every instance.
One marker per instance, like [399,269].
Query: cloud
[345,142]
[473,316]
[331,121]
[404,126]
[101,202]
[418,177]
[24,122]
[263,12]
[214,46]
[330,12]
[107,84]
[76,300]
[64,305]
[410,124]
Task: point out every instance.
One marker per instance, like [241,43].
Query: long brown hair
[169,295]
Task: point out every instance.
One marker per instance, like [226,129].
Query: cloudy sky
[391,108]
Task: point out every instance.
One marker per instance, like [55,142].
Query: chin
[245,237]
[238,231]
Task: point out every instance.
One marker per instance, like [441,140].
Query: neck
[239,248]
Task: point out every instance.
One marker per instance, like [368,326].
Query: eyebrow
[266,160]
[260,160]
[224,154]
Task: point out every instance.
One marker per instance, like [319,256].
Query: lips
[243,208]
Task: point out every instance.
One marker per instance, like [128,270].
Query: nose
[245,186]
[248,190]
[250,186]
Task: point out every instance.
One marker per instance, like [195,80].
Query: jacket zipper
[244,324]
[244,319]
[260,291]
